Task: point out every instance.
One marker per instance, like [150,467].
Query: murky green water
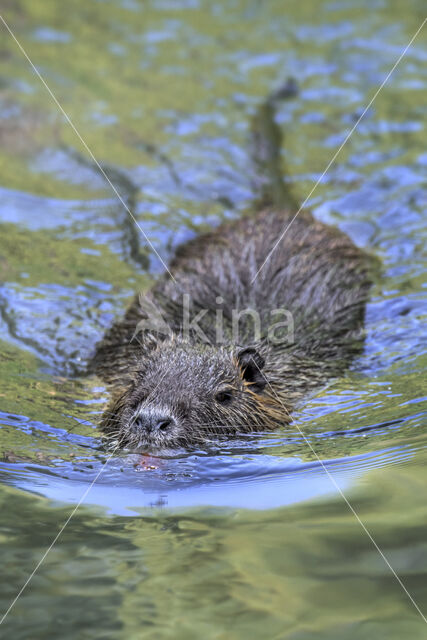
[249,538]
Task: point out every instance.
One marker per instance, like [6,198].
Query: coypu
[181,385]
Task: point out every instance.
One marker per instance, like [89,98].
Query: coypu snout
[152,426]
[153,422]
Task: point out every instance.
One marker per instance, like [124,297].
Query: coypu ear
[251,363]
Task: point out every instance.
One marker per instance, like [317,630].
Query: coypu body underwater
[252,318]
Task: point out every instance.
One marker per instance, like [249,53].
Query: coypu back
[316,273]
[175,386]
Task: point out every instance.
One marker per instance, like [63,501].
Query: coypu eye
[224,397]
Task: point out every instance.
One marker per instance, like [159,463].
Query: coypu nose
[163,424]
[154,422]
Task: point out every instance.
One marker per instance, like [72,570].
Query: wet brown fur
[315,272]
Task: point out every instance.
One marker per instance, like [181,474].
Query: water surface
[249,538]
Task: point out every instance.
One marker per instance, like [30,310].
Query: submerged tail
[266,145]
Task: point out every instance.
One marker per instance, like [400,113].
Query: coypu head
[181,393]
